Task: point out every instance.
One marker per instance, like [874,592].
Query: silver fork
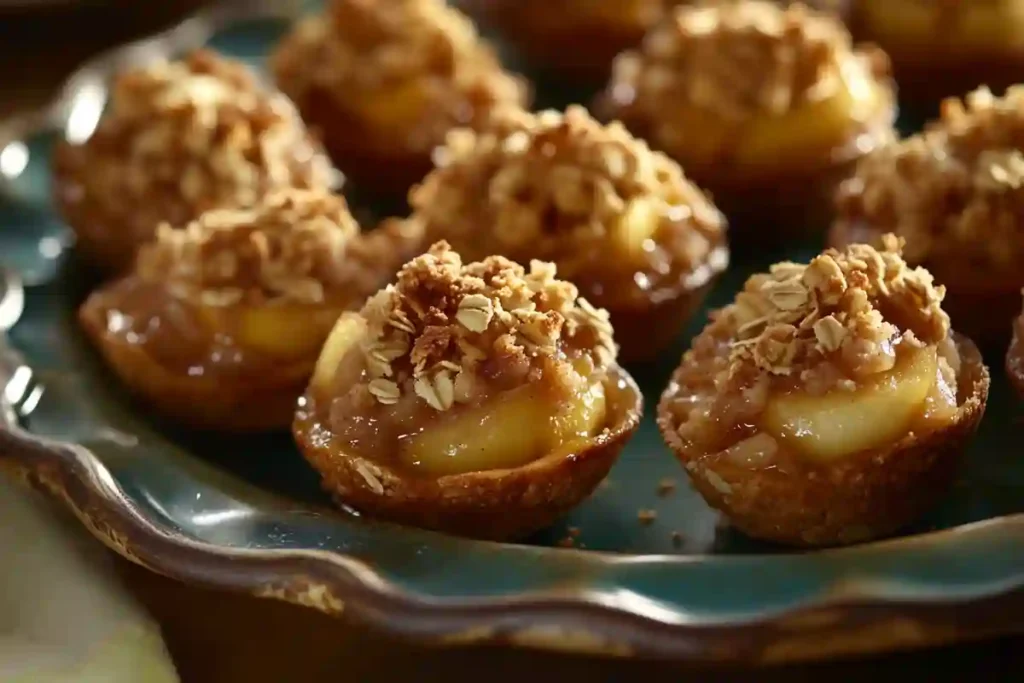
[20,390]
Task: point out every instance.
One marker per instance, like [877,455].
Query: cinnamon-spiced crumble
[617,218]
[181,138]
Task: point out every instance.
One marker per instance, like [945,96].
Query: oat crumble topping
[290,247]
[196,134]
[443,319]
[859,303]
[736,59]
[555,186]
[369,44]
[955,191]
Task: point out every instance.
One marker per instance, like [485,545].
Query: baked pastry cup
[382,81]
[220,324]
[942,49]
[953,194]
[177,139]
[765,107]
[830,403]
[621,222]
[478,399]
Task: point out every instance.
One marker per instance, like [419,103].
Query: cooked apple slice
[349,328]
[509,432]
[396,108]
[812,127]
[844,422]
[637,224]
[286,331]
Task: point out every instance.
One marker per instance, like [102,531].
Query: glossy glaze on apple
[621,222]
[221,322]
[384,80]
[811,375]
[179,138]
[756,102]
[953,194]
[458,377]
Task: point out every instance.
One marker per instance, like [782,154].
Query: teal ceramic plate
[247,514]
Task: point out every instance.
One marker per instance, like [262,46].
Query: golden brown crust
[180,138]
[418,62]
[259,403]
[496,505]
[869,495]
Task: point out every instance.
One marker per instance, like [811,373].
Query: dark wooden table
[220,637]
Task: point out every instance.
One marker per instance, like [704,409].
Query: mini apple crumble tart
[179,138]
[829,403]
[479,399]
[955,194]
[384,80]
[621,222]
[220,324]
[766,107]
[945,47]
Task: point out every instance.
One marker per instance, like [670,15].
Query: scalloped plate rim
[332,583]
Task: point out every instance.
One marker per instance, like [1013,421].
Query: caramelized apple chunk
[460,377]
[621,222]
[752,95]
[807,389]
[236,305]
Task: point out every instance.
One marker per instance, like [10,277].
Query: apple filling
[857,381]
[495,390]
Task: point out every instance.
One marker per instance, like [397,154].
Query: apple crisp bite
[237,304]
[384,80]
[481,398]
[809,379]
[179,138]
[620,221]
[434,360]
[953,193]
[756,101]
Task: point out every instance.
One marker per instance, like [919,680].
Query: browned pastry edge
[980,308]
[503,504]
[870,495]
[264,402]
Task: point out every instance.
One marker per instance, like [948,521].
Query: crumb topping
[290,247]
[371,44]
[736,59]
[196,134]
[859,303]
[445,324]
[559,187]
[955,191]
